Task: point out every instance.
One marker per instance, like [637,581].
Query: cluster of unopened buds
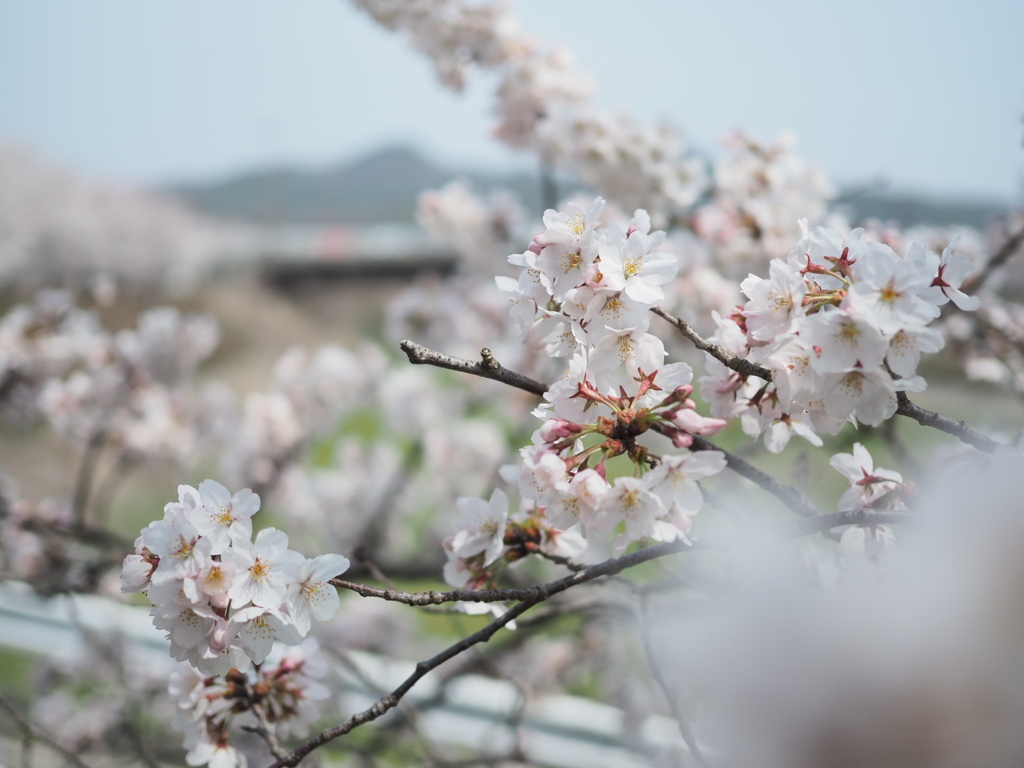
[282,695]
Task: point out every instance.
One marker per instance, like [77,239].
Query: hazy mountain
[383,187]
[380,187]
[910,210]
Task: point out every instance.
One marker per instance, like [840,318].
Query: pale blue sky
[929,96]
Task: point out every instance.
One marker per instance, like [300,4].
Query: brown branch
[386,703]
[906,408]
[568,562]
[957,428]
[488,367]
[535,594]
[84,477]
[791,497]
[263,730]
[807,526]
[724,356]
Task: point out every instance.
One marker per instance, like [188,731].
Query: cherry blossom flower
[629,266]
[266,567]
[868,484]
[221,516]
[313,597]
[481,528]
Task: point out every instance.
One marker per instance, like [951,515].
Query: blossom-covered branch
[790,496]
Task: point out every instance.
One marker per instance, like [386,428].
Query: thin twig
[386,703]
[568,562]
[37,734]
[264,732]
[791,497]
[906,408]
[537,593]
[957,428]
[724,356]
[1008,249]
[84,477]
[529,598]
[689,738]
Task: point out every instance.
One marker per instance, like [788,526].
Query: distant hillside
[383,187]
[380,187]
[910,210]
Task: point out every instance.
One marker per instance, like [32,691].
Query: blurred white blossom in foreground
[824,660]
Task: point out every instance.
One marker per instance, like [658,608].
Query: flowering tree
[806,328]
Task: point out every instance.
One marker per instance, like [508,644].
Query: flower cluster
[543,102]
[128,389]
[222,598]
[584,294]
[281,695]
[841,324]
[760,191]
[870,488]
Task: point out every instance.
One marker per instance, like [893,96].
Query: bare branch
[488,367]
[264,731]
[791,497]
[530,594]
[36,734]
[724,356]
[957,428]
[530,597]
[386,703]
[85,475]
[1008,249]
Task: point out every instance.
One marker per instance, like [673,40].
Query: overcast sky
[928,96]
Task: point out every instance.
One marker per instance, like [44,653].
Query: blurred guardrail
[474,711]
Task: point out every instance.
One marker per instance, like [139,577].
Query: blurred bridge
[290,256]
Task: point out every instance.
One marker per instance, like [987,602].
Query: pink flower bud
[683,393]
[692,422]
[556,429]
[681,439]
